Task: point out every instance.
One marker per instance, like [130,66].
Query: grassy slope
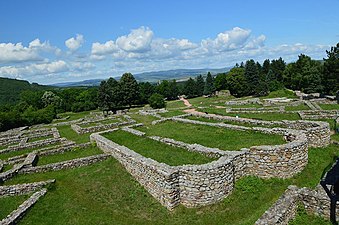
[222,138]
[156,150]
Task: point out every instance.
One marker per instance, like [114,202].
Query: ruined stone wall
[318,133]
[17,214]
[21,189]
[79,162]
[83,130]
[315,202]
[319,114]
[190,185]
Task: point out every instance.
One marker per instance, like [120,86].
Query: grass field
[74,153]
[158,151]
[221,138]
[329,106]
[67,132]
[105,193]
[260,116]
[297,107]
[175,104]
[8,204]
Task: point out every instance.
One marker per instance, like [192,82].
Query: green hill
[10,89]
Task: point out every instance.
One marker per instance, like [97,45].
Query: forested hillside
[10,89]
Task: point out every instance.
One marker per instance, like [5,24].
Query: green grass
[104,193]
[146,120]
[221,138]
[281,93]
[335,137]
[297,107]
[8,204]
[158,151]
[211,101]
[7,167]
[302,218]
[175,104]
[109,121]
[329,106]
[67,132]
[39,138]
[260,116]
[74,116]
[23,151]
[172,113]
[234,107]
[73,154]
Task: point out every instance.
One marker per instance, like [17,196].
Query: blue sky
[55,41]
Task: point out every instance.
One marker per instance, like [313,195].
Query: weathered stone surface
[315,202]
[21,189]
[21,210]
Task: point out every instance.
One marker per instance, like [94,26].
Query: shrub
[156,101]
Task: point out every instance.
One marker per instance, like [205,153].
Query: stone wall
[21,189]
[190,185]
[315,202]
[79,162]
[318,133]
[196,185]
[35,144]
[82,130]
[17,214]
[319,114]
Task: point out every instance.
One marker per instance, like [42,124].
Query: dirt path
[186,102]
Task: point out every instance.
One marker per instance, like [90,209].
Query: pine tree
[252,77]
[190,89]
[200,83]
[209,85]
[331,71]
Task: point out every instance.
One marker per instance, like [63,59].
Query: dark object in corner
[330,183]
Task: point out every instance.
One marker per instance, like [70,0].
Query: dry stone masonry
[197,185]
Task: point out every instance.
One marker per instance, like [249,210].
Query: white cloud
[74,43]
[10,52]
[228,40]
[34,69]
[104,49]
[139,40]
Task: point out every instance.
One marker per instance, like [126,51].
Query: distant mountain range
[178,74]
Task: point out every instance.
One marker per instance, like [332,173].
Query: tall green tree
[209,85]
[129,89]
[190,89]
[236,81]
[220,81]
[200,84]
[278,67]
[331,71]
[146,90]
[304,75]
[252,77]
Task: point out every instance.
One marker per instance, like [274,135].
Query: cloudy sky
[71,40]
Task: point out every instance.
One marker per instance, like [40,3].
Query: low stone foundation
[318,133]
[315,201]
[17,214]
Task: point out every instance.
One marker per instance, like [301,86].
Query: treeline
[114,95]
[36,105]
[10,89]
[306,75]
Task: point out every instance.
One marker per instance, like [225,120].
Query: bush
[156,101]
